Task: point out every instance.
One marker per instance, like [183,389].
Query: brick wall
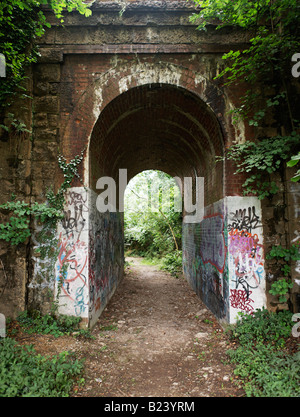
[136,91]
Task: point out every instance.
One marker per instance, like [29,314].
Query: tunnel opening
[153,127]
[153,220]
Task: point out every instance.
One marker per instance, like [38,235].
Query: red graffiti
[67,255]
[240,299]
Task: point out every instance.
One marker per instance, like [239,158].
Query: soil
[154,339]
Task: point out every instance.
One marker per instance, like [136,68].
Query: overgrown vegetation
[271,102]
[24,373]
[21,23]
[56,325]
[152,220]
[265,365]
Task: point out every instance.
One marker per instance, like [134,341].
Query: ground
[155,339]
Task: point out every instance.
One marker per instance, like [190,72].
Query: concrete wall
[223,257]
[90,261]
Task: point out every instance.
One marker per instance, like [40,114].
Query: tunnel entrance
[165,127]
[159,127]
[153,220]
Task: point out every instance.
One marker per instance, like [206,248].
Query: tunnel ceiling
[155,127]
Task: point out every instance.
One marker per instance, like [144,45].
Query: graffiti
[246,259]
[74,221]
[240,300]
[105,257]
[205,260]
[212,241]
[71,272]
[241,220]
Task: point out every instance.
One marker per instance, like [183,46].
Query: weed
[35,322]
[109,327]
[24,373]
[262,365]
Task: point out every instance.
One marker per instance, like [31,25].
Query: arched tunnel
[153,126]
[158,126]
[163,127]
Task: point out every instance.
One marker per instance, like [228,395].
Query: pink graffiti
[245,243]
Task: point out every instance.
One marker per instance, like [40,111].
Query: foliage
[152,224]
[21,23]
[263,326]
[286,254]
[263,367]
[172,262]
[274,27]
[265,372]
[23,373]
[259,159]
[281,287]
[17,230]
[294,160]
[57,325]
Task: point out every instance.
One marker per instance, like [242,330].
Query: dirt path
[156,338]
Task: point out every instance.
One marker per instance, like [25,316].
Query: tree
[152,222]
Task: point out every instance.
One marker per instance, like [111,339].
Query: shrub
[262,366]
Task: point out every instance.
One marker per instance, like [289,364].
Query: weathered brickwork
[137,91]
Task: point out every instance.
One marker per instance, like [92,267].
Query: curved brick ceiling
[155,127]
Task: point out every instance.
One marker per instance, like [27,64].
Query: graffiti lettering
[240,220]
[240,300]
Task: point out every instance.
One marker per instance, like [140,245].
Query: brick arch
[158,126]
[151,114]
[77,125]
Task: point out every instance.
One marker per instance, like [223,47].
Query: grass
[171,262]
[25,373]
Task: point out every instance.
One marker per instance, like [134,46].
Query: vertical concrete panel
[72,263]
[246,260]
[223,257]
[205,259]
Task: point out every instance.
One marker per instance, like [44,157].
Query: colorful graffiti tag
[205,260]
[212,241]
[223,257]
[72,260]
[246,259]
